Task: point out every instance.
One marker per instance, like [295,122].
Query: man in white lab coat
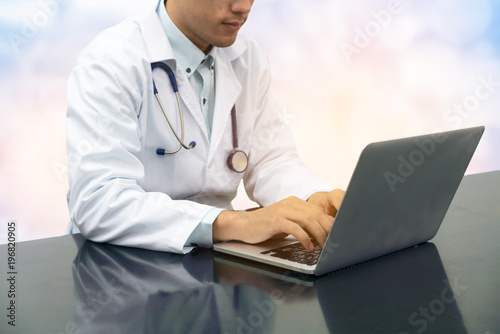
[123,192]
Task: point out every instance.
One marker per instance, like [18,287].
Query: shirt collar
[188,55]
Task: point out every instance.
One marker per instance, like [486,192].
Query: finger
[302,219]
[326,221]
[335,198]
[316,215]
[312,220]
[299,234]
[316,229]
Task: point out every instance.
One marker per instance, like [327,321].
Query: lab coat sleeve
[275,170]
[106,201]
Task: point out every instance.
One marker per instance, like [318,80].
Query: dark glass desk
[450,285]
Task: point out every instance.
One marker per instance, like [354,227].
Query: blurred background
[345,73]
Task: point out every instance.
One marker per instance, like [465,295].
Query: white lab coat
[120,190]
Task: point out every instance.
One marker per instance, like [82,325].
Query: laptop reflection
[403,292]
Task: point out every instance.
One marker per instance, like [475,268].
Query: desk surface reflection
[125,290]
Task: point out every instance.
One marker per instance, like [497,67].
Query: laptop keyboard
[297,253]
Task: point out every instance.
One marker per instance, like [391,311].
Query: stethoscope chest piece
[237,161]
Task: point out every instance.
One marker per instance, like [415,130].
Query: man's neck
[171,11]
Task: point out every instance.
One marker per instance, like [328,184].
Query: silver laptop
[397,197]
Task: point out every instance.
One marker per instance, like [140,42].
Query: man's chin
[224,43]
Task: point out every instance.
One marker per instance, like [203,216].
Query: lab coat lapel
[155,39]
[227,90]
[190,100]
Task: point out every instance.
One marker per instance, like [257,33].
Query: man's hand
[302,219]
[328,202]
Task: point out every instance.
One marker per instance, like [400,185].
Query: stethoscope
[236,161]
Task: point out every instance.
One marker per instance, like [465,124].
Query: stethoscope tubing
[181,139]
[173,82]
[236,161]
[234,125]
